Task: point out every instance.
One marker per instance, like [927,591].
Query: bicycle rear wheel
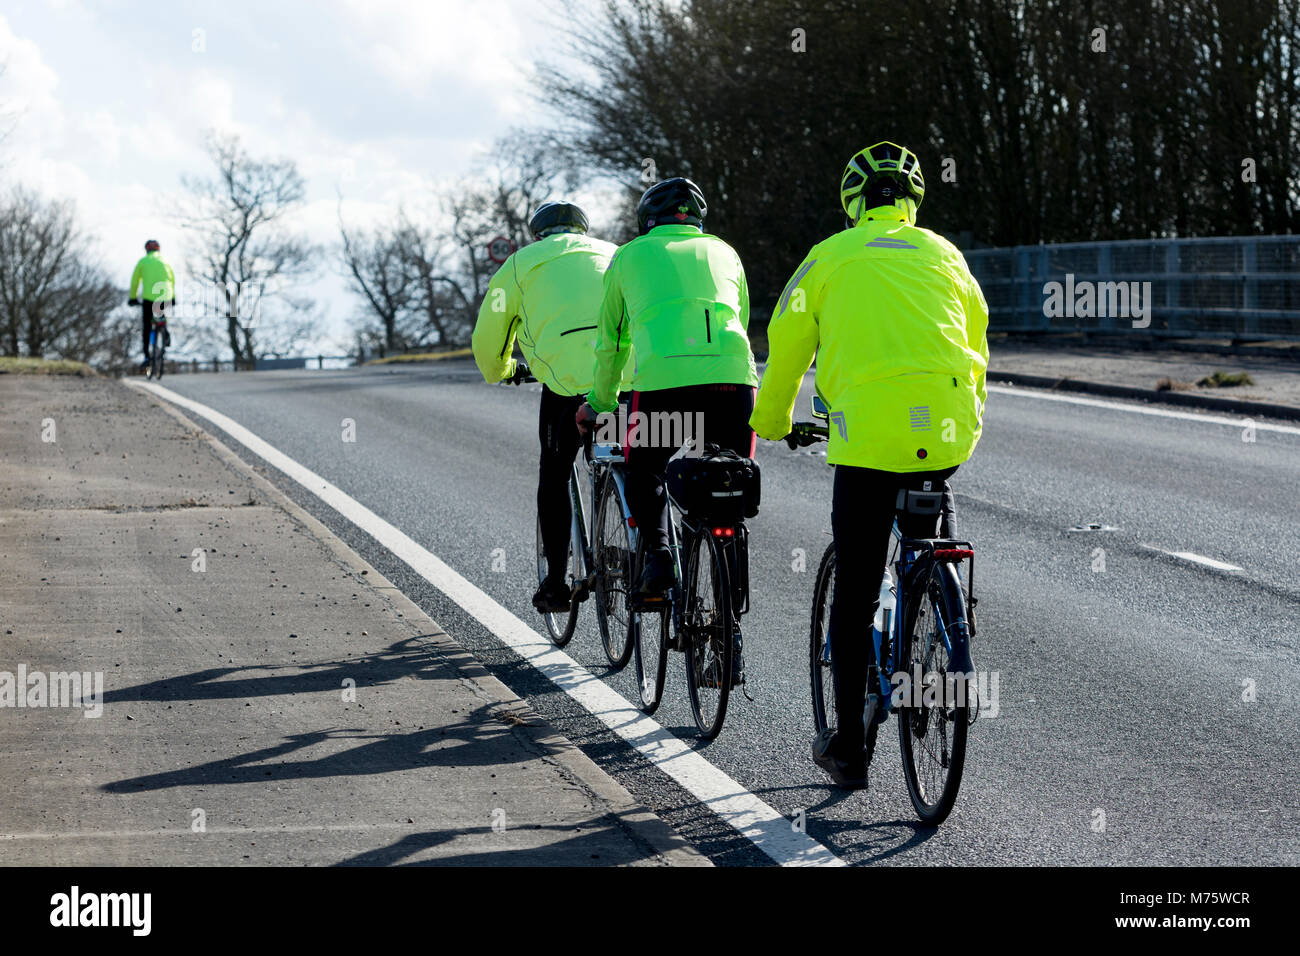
[819,652]
[560,625]
[650,638]
[159,351]
[710,634]
[932,734]
[612,560]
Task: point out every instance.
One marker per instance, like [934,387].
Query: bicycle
[157,347]
[924,669]
[700,614]
[598,566]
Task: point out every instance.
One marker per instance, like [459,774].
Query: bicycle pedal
[649,602]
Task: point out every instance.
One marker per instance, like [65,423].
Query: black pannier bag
[717,486]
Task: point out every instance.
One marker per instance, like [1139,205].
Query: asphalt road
[1145,710]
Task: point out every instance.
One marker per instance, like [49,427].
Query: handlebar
[522,374]
[804,434]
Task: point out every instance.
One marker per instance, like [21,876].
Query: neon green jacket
[898,325]
[547,295]
[678,297]
[153,278]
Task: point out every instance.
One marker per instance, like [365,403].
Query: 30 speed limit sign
[499,249]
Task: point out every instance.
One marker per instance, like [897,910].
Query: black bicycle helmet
[555,217]
[151,245]
[671,202]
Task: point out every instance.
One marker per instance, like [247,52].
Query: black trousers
[722,410]
[862,517]
[148,309]
[560,441]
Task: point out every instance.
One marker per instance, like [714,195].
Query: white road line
[753,818]
[1195,558]
[1144,410]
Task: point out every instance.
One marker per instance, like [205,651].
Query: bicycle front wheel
[932,725]
[819,651]
[560,625]
[613,581]
[710,634]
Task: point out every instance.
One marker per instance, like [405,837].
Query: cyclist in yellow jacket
[898,325]
[153,286]
[546,296]
[677,299]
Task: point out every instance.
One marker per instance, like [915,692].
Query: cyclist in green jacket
[153,286]
[677,298]
[897,324]
[546,297]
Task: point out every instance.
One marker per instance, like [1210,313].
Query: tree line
[1035,121]
[1040,121]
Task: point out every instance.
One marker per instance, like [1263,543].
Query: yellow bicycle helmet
[882,175]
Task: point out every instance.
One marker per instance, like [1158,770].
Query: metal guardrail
[1238,288]
[195,365]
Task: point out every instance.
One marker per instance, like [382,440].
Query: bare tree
[423,286]
[246,251]
[53,298]
[376,266]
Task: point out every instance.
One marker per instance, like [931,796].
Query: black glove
[521,374]
[132,301]
[801,436]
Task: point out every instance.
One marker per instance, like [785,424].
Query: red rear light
[953,554]
[631,522]
[724,532]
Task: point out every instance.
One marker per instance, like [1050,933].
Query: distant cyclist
[678,298]
[897,324]
[153,287]
[546,296]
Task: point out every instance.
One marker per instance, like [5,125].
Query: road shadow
[885,838]
[479,740]
[416,656]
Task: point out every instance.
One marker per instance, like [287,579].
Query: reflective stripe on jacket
[898,326]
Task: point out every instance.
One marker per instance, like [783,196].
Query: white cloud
[378,100]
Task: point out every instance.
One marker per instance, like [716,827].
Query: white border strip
[751,817]
[1241,422]
[1195,558]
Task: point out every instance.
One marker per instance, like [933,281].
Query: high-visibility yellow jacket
[678,297]
[898,326]
[547,295]
[153,279]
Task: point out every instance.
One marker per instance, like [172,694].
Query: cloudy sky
[373,98]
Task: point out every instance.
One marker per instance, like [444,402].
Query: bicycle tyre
[612,559]
[559,626]
[710,634]
[821,678]
[939,597]
[159,351]
[650,639]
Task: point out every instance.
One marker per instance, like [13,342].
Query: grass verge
[1220,379]
[12,365]
[420,357]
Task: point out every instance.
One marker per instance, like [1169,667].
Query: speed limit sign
[499,249]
